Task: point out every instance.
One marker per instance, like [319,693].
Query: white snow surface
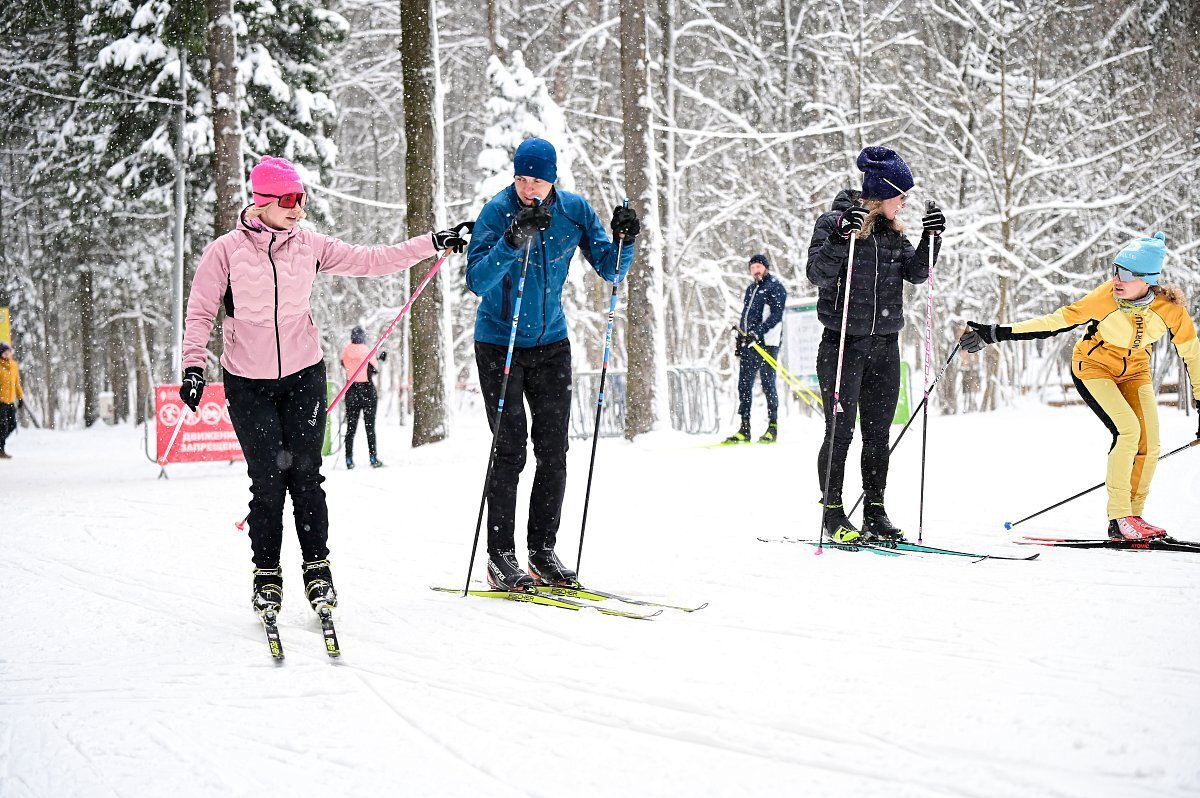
[131,664]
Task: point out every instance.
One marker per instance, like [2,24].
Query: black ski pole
[929,206]
[612,314]
[837,389]
[913,417]
[512,343]
[32,418]
[1011,524]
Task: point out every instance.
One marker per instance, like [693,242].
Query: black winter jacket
[882,262]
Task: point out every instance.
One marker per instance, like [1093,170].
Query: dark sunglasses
[1126,276]
[286,200]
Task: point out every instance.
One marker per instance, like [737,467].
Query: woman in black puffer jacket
[883,259]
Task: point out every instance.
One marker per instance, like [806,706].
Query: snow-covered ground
[131,664]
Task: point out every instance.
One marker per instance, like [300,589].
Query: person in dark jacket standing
[553,224]
[760,323]
[870,387]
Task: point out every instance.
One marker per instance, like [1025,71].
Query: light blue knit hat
[1144,257]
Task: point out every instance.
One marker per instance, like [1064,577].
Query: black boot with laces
[504,573]
[547,569]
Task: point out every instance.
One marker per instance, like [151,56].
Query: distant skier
[541,363]
[274,372]
[870,387]
[12,395]
[760,323]
[361,396]
[1110,367]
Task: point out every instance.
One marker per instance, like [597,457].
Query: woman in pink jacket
[361,397]
[274,370]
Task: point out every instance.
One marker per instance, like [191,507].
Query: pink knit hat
[274,177]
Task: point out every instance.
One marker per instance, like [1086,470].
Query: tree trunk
[226,119]
[87,343]
[418,58]
[643,345]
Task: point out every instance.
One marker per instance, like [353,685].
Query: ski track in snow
[132,665]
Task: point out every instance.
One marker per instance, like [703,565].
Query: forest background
[1050,133]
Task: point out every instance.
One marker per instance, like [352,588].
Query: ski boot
[268,590]
[742,435]
[1132,527]
[503,572]
[349,463]
[772,433]
[376,462]
[318,585]
[876,524]
[1157,530]
[547,569]
[838,526]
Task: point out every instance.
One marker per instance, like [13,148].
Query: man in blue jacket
[760,323]
[532,216]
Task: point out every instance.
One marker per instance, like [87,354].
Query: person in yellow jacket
[11,395]
[1111,368]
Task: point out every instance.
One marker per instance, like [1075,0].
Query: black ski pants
[752,366]
[870,389]
[540,377]
[361,398]
[8,422]
[281,425]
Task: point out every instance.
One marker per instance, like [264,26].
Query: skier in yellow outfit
[1111,368]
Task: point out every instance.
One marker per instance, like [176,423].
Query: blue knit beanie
[885,174]
[536,158]
[1144,257]
[358,336]
[761,258]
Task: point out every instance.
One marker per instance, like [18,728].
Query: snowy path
[132,666]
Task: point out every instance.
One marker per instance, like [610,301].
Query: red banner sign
[207,434]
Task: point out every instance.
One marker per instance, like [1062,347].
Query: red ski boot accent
[1157,530]
[1131,527]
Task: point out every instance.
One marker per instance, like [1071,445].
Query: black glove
[526,223]
[192,388]
[382,357]
[21,406]
[850,221]
[625,223]
[452,239]
[933,223]
[752,338]
[981,335]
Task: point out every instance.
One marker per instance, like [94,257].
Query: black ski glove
[453,239]
[933,223]
[752,338]
[382,357]
[981,335]
[849,222]
[525,224]
[192,389]
[625,223]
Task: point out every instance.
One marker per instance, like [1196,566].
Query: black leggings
[753,365]
[8,422]
[541,376]
[281,426]
[870,388]
[361,398]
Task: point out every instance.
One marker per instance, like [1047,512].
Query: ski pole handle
[386,333]
[162,461]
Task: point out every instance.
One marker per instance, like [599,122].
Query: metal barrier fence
[691,393]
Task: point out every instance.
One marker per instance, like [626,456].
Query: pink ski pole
[162,461]
[391,327]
